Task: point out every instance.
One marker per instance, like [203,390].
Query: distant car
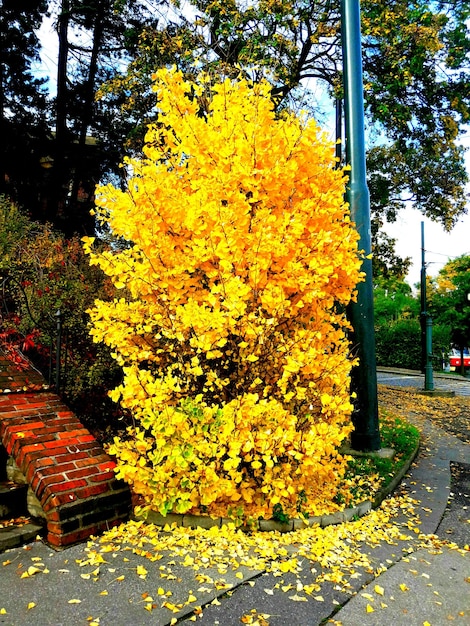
[454,358]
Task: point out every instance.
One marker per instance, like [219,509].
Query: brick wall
[65,466]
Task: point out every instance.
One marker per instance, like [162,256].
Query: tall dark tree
[93,41]
[23,127]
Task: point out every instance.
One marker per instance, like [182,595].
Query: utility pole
[366,435]
[426,324]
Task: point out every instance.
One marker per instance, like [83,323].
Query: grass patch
[366,476]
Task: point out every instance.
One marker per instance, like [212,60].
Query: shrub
[231,329]
[398,344]
[43,272]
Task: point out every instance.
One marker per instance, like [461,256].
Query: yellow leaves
[403,587]
[297,598]
[255,619]
[32,570]
[369,609]
[241,259]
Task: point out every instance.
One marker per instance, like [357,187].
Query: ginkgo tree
[231,328]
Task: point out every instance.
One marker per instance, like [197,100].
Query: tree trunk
[59,190]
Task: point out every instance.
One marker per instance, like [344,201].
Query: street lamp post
[366,436]
[426,324]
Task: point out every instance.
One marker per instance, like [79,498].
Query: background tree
[415,71]
[450,303]
[397,327]
[23,126]
[93,40]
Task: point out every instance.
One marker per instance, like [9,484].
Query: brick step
[12,499]
[18,531]
[72,481]
[16,528]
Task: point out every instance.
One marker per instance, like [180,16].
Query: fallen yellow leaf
[369,609]
[297,598]
[379,590]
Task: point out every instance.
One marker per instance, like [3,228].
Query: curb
[339,517]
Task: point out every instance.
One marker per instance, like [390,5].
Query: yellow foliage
[231,329]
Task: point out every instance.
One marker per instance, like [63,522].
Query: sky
[439,245]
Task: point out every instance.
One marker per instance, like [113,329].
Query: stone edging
[361,509]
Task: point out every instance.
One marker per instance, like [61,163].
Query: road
[410,378]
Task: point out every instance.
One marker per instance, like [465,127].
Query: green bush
[398,344]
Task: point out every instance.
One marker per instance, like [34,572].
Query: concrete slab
[118,588]
[422,588]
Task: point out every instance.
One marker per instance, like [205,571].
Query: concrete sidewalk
[406,585]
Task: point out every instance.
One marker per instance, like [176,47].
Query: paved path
[410,378]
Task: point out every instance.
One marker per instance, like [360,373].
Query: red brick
[107,465]
[86,438]
[89,492]
[59,445]
[19,449]
[76,457]
[79,473]
[27,457]
[57,468]
[69,485]
[85,461]
[29,473]
[69,434]
[44,462]
[53,516]
[60,541]
[35,405]
[99,478]
[21,399]
[40,483]
[14,414]
[66,414]
[56,500]
[92,447]
[28,426]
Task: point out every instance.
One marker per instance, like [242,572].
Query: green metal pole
[426,324]
[366,436]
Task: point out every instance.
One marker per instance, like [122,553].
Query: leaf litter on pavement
[450,414]
[332,554]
